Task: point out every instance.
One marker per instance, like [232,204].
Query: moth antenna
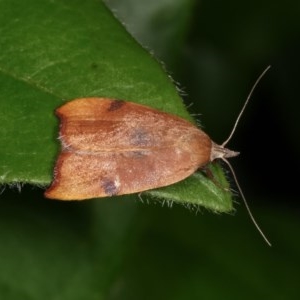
[245,201]
[244,106]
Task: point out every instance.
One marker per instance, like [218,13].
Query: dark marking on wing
[140,137]
[109,187]
[115,105]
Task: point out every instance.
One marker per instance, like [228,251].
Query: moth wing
[84,176]
[123,148]
[102,124]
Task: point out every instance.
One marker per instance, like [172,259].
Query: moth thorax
[219,151]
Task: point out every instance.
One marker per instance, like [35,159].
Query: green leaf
[55,51]
[216,188]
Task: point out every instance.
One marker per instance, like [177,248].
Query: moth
[113,147]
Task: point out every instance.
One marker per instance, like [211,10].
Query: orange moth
[107,143]
[113,147]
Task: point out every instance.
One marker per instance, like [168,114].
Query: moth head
[219,151]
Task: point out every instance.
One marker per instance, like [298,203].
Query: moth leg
[140,197]
[211,176]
